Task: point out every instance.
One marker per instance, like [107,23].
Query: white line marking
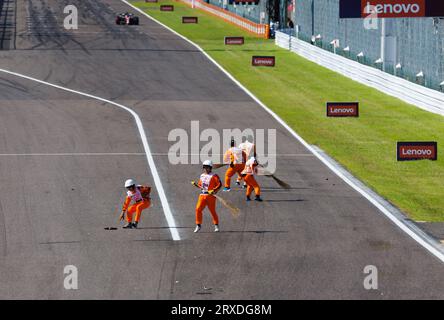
[74,154]
[426,244]
[221,154]
[152,166]
[68,154]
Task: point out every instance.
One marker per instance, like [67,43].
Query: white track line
[154,154]
[152,166]
[415,236]
[134,154]
[69,154]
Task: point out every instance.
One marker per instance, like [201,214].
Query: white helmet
[129,183]
[208,163]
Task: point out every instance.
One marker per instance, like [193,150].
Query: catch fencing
[418,42]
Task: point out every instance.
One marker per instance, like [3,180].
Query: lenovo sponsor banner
[166,7]
[391,8]
[342,109]
[263,61]
[234,40]
[408,151]
[189,20]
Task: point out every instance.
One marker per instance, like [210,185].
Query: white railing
[417,95]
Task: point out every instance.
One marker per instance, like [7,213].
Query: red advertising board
[342,109]
[166,7]
[408,151]
[234,40]
[263,61]
[189,20]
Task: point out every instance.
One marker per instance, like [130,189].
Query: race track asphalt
[64,157]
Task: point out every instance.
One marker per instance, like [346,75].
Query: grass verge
[297,89]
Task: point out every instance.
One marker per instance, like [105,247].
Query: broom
[219,165]
[235,211]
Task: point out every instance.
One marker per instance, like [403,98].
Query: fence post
[289,40]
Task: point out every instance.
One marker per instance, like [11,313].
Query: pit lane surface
[63,159]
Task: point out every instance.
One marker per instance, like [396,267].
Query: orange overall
[208,182]
[248,174]
[236,158]
[141,201]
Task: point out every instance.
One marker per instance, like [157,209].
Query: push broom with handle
[235,211]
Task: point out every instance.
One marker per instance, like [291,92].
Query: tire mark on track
[144,140]
[13,85]
[161,273]
[3,238]
[105,16]
[7,17]
[45,28]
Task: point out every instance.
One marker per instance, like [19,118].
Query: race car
[127,19]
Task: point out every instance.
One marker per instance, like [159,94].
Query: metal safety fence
[418,42]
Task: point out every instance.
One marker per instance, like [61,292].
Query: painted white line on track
[221,154]
[69,154]
[152,166]
[424,240]
[156,154]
